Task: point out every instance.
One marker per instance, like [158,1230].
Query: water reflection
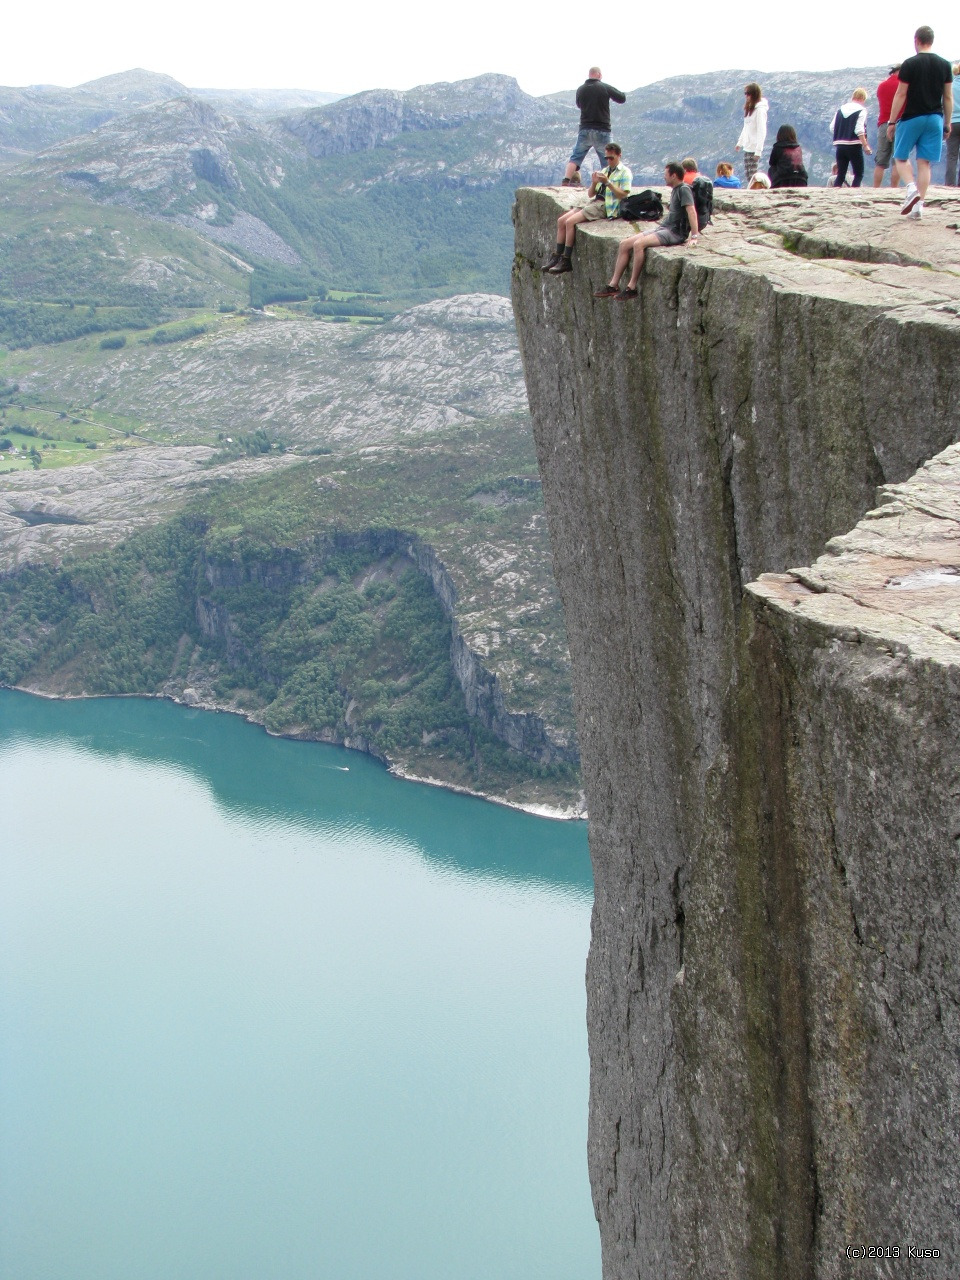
[322,788]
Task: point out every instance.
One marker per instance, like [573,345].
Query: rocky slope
[772,998]
[439,365]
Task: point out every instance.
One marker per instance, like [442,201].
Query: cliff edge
[770,753]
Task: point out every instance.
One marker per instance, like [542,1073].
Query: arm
[693,220]
[947,106]
[602,180]
[899,99]
[761,112]
[862,131]
[615,94]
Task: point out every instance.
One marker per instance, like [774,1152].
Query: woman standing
[754,129]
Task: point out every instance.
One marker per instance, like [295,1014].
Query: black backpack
[702,189]
[642,206]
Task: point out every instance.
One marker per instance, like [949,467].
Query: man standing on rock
[924,99]
[679,224]
[593,99]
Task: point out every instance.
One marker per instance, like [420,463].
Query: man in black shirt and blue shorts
[593,99]
[680,224]
[923,101]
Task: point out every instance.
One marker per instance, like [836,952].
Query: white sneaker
[911,198]
[917,210]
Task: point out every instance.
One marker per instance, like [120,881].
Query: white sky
[344,48]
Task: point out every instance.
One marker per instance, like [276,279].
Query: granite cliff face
[770,765]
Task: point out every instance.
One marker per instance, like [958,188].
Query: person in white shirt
[754,131]
[849,125]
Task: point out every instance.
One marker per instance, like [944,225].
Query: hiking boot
[911,199]
[551,262]
[560,267]
[608,291]
[572,182]
[626,295]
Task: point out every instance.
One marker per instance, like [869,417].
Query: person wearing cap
[886,90]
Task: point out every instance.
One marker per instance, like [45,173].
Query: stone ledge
[896,575]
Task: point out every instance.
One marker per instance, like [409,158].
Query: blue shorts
[587,138]
[923,132]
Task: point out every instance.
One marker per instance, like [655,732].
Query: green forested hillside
[295,599]
[68,268]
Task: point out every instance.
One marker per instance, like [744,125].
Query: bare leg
[639,253]
[567,225]
[623,257]
[572,170]
[878,176]
[923,176]
[904,170]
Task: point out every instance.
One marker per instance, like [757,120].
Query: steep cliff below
[771,772]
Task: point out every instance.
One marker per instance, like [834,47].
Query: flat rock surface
[846,243]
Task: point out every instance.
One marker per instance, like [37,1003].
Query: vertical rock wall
[728,425]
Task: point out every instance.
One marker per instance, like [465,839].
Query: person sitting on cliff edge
[593,99]
[679,224]
[608,188]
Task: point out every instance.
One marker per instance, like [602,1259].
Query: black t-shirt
[924,74]
[593,99]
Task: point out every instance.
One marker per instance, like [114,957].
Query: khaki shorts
[884,152]
[594,211]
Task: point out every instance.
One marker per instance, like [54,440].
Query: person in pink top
[886,91]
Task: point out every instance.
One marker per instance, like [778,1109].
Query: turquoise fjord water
[267,1013]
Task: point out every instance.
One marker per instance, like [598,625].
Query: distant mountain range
[38,116]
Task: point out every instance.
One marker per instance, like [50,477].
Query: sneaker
[626,295]
[917,210]
[608,291]
[550,263]
[911,199]
[560,267]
